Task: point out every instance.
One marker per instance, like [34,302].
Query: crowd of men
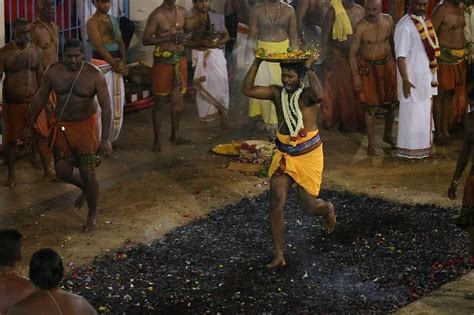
[365,64]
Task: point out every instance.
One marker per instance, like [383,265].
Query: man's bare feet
[50,177]
[330,219]
[10,182]
[180,140]
[90,226]
[389,140]
[372,152]
[156,146]
[278,261]
[80,200]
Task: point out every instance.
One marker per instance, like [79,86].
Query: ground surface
[145,194]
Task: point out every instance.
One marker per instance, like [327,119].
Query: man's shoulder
[359,8]
[404,22]
[92,69]
[6,49]
[387,18]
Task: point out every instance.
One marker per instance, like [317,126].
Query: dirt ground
[145,194]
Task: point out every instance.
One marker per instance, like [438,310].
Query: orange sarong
[77,142]
[15,118]
[340,104]
[44,123]
[168,76]
[379,84]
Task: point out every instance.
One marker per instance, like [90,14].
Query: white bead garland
[292,111]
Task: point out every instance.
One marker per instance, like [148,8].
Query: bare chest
[64,85]
[170,21]
[27,59]
[453,21]
[45,38]
[376,34]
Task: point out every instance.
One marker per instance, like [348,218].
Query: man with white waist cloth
[109,54]
[273,25]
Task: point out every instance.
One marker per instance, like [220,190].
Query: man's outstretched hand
[106,148]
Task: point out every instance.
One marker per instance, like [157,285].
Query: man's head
[103,6]
[21,32]
[169,2]
[291,76]
[10,247]
[45,9]
[202,6]
[73,54]
[46,269]
[373,10]
[419,7]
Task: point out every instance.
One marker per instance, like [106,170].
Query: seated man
[13,287]
[46,272]
[299,158]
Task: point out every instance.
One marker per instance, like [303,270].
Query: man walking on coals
[299,158]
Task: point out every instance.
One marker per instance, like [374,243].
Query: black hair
[20,22]
[297,67]
[10,247]
[73,43]
[46,269]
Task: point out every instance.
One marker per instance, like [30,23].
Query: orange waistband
[92,119]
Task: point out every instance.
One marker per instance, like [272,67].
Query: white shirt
[408,44]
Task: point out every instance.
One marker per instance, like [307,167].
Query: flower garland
[430,42]
[292,114]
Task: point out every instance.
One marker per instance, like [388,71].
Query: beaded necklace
[273,19]
[292,113]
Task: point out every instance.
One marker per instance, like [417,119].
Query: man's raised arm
[248,85]
[314,84]
[41,99]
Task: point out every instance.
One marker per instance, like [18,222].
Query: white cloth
[241,45]
[116,87]
[211,83]
[415,129]
[415,114]
[408,44]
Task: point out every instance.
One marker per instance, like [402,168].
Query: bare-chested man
[340,106]
[46,272]
[299,158]
[310,15]
[273,25]
[21,61]
[450,104]
[109,55]
[13,287]
[466,217]
[45,35]
[165,30]
[75,138]
[374,70]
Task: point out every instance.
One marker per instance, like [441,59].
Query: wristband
[455,182]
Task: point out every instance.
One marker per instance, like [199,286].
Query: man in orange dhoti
[450,104]
[466,216]
[299,156]
[374,70]
[340,105]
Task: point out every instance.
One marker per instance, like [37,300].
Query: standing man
[273,25]
[75,136]
[13,287]
[238,17]
[299,158]
[450,104]
[22,63]
[416,60]
[209,34]
[374,70]
[109,55]
[310,15]
[45,35]
[164,30]
[340,105]
[466,218]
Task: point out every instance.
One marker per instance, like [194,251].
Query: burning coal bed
[382,256]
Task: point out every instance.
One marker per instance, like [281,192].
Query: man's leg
[177,106]
[41,146]
[65,173]
[442,113]
[279,187]
[387,136]
[369,123]
[448,98]
[314,206]
[91,192]
[157,113]
[10,155]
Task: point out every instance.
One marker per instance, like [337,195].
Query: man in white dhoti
[209,34]
[416,47]
[109,54]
